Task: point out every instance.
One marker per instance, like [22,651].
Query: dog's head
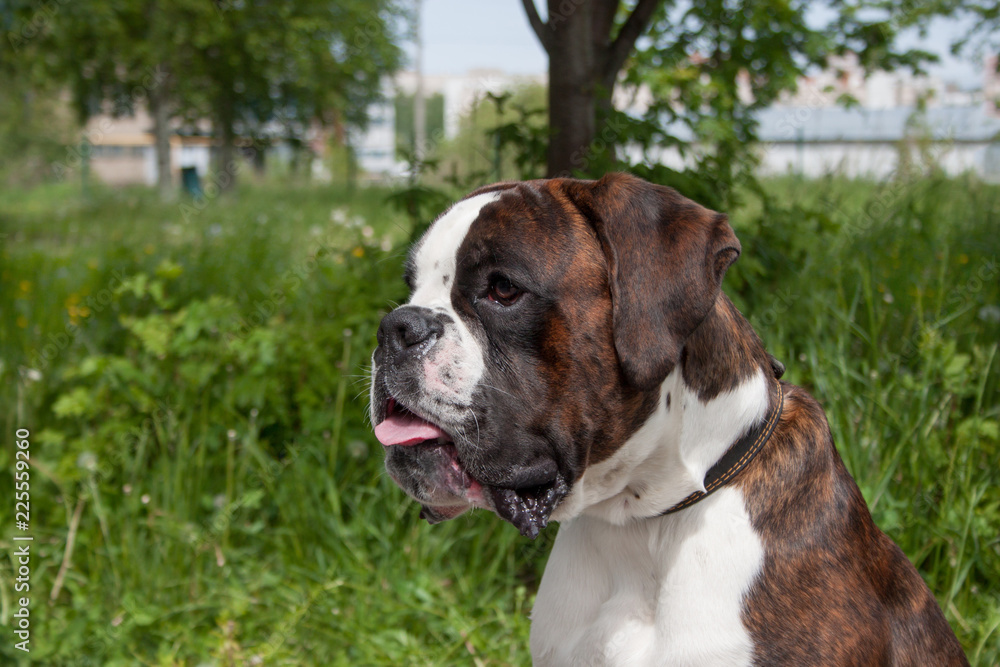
[543,316]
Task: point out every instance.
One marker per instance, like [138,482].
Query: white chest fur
[662,591]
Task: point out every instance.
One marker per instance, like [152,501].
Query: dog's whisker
[506,393]
[476,419]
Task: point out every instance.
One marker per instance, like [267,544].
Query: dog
[567,355]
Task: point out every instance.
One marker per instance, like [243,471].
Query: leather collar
[736,457]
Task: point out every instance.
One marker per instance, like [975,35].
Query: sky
[460,35]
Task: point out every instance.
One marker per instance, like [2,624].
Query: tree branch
[635,25]
[539,26]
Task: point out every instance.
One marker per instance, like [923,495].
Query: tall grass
[193,380]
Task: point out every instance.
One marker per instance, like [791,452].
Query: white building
[870,142]
[376,146]
[462,92]
[810,132]
[845,78]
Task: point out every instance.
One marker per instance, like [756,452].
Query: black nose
[407,327]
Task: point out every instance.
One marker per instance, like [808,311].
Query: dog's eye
[503,291]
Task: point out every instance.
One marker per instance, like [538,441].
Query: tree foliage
[710,67]
[245,65]
[692,59]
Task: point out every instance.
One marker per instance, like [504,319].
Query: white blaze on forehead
[435,261]
[455,365]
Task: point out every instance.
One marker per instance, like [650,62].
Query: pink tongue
[406,429]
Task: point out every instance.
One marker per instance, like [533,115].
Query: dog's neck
[722,387]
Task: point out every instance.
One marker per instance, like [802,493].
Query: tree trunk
[225,175]
[572,101]
[159,107]
[584,61]
[225,170]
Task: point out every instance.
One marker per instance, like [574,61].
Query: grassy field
[205,488]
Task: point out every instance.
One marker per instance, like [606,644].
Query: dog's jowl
[567,354]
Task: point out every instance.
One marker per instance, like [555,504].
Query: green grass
[196,399]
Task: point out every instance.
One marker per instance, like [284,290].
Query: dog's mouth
[526,504]
[403,427]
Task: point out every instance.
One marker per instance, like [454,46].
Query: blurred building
[122,150]
[842,120]
[991,85]
[463,91]
[877,142]
[376,145]
[893,120]
[893,117]
[845,80]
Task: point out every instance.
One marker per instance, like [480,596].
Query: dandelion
[357,449]
[87,461]
[25,286]
[358,252]
[989,314]
[22,322]
[31,374]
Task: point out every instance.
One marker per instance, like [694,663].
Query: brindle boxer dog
[567,355]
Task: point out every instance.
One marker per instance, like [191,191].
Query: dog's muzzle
[424,454]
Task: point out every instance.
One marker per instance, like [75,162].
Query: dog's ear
[666,259]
